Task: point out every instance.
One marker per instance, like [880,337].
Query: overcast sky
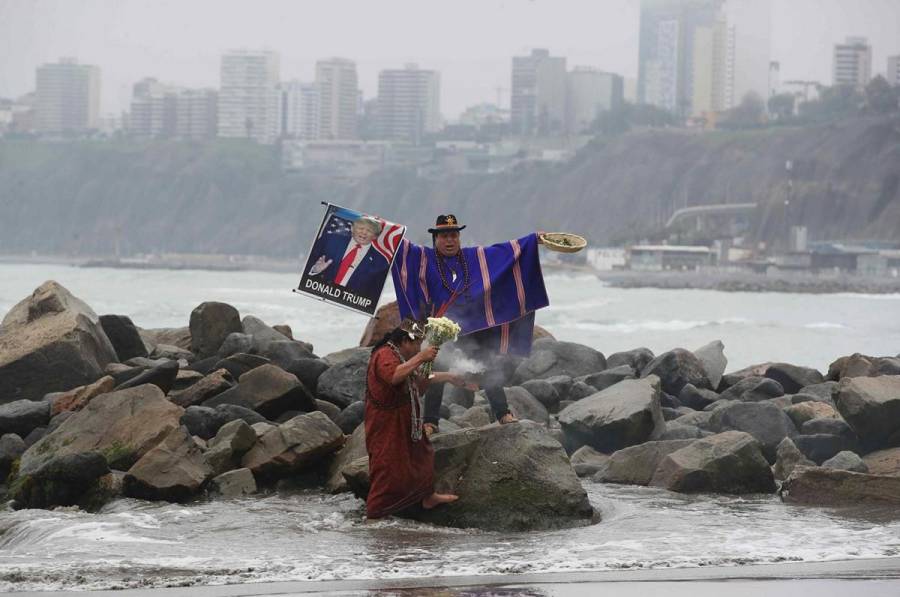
[469,41]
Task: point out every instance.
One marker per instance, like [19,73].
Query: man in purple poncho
[491,292]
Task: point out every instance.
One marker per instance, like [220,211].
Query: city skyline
[470,43]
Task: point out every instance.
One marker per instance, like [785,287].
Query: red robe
[401,471]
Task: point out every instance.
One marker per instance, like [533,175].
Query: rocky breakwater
[95,408]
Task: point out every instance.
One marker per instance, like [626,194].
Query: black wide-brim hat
[445,223]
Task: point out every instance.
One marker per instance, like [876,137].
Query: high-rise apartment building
[852,63]
[196,113]
[409,103]
[159,110]
[338,98]
[538,101]
[249,96]
[893,70]
[698,56]
[589,93]
[67,97]
[301,110]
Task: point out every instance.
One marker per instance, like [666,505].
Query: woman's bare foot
[436,499]
[508,418]
[429,429]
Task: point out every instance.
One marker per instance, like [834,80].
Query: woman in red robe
[401,459]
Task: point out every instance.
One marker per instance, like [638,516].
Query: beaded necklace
[416,419]
[463,264]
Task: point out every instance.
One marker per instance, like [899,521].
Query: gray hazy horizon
[471,42]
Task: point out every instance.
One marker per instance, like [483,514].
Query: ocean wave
[825,325]
[874,297]
[649,325]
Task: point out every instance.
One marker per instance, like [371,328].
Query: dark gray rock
[50,342]
[204,366]
[587,461]
[829,426]
[233,484]
[351,417]
[308,371]
[669,401]
[22,416]
[579,391]
[826,391]
[729,462]
[234,343]
[301,443]
[162,376]
[205,422]
[11,448]
[871,406]
[623,415]
[332,411]
[637,358]
[210,324]
[525,406]
[604,379]
[544,392]
[792,377]
[696,419]
[678,430]
[669,414]
[696,398]
[238,364]
[268,390]
[765,422]
[562,384]
[345,382]
[753,389]
[550,358]
[714,361]
[801,397]
[354,448]
[675,369]
[829,487]
[36,435]
[846,461]
[61,481]
[787,458]
[822,446]
[263,334]
[124,336]
[284,353]
[172,353]
[637,464]
[729,379]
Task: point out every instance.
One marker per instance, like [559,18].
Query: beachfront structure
[852,63]
[409,103]
[67,97]
[338,98]
[249,96]
[667,257]
[538,101]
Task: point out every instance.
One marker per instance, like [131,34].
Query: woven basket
[563,242]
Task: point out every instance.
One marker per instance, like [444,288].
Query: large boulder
[508,478]
[831,487]
[729,379]
[268,390]
[263,334]
[623,415]
[174,470]
[351,417]
[205,422]
[124,336]
[636,465]
[884,462]
[792,377]
[544,392]
[210,324]
[211,385]
[122,426]
[550,358]
[234,343]
[871,406]
[714,361]
[354,448]
[180,337]
[232,441]
[300,443]
[50,342]
[729,462]
[526,406]
[77,399]
[825,391]
[696,398]
[285,353]
[764,421]
[233,484]
[11,449]
[675,369]
[608,377]
[819,447]
[62,480]
[587,461]
[23,416]
[240,363]
[802,412]
[387,317]
[308,371]
[788,457]
[753,389]
[846,461]
[345,381]
[637,358]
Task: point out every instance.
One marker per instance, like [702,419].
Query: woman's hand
[428,354]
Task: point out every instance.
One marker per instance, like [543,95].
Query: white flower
[441,329]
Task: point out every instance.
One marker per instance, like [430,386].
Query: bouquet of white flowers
[437,331]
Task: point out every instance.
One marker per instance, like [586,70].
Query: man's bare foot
[429,429]
[508,418]
[436,499]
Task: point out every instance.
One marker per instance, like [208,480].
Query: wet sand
[873,578]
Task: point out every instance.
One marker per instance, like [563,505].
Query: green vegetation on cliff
[232,197]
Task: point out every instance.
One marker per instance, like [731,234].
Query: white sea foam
[825,325]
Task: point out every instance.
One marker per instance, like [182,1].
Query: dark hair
[396,336]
